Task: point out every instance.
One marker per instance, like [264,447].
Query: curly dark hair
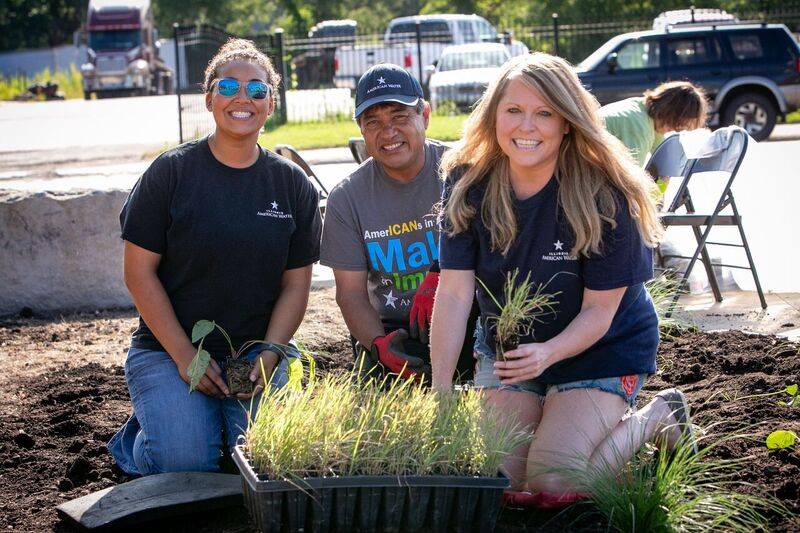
[240,50]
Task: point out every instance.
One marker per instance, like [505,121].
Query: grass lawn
[307,135]
[793,118]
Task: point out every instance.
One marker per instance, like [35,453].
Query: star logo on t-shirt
[390,299]
[274,205]
[559,245]
[381,80]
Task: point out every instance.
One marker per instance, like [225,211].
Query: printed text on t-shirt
[558,254]
[273,211]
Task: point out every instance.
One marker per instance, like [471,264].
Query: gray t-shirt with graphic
[377,224]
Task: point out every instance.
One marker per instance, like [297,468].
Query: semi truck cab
[123,51]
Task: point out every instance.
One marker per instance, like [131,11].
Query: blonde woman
[540,186]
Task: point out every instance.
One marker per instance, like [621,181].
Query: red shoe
[519,498]
[556,500]
[542,500]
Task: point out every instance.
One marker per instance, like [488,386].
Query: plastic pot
[371,503]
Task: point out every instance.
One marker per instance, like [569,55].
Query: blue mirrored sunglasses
[255,89]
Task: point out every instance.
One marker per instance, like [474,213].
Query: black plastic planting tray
[371,503]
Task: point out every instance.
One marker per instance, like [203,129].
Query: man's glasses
[255,89]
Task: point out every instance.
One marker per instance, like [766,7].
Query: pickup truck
[399,45]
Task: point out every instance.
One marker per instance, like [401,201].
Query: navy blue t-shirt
[225,236]
[542,247]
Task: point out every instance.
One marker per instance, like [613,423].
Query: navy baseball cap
[385,82]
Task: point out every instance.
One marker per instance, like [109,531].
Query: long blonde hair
[591,163]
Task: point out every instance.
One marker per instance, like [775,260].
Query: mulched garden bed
[53,439]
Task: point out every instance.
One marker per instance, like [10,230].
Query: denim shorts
[626,387]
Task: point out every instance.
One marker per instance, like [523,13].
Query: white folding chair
[722,152]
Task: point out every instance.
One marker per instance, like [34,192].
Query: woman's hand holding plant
[528,361]
[211,384]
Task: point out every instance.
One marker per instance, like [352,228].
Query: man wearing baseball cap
[380,235]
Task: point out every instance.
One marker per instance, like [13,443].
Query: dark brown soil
[237,375]
[62,383]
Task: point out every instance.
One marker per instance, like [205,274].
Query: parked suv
[313,68]
[750,71]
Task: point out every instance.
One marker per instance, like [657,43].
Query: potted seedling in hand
[522,305]
[237,368]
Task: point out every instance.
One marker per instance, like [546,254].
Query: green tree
[44,23]
[39,23]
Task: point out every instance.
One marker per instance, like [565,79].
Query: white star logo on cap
[381,80]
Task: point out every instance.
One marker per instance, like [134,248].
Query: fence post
[555,34]
[281,68]
[178,80]
[419,49]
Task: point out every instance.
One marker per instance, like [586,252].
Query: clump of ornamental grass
[679,491]
[662,290]
[342,426]
[521,305]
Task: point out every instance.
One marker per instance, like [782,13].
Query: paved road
[121,122]
[149,120]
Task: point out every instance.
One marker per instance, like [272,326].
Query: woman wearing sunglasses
[218,229]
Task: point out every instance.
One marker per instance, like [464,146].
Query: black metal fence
[315,63]
[319,71]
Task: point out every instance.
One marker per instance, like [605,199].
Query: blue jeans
[626,387]
[174,431]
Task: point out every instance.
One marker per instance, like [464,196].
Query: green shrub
[448,108]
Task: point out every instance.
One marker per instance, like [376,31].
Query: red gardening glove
[419,320]
[389,350]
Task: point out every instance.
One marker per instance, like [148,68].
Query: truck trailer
[123,51]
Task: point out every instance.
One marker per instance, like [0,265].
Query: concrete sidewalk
[741,310]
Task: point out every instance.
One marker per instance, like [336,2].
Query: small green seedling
[780,439]
[237,370]
[522,307]
[791,390]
